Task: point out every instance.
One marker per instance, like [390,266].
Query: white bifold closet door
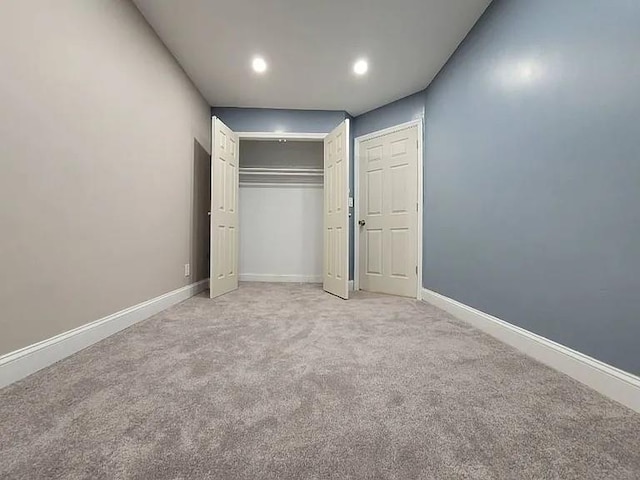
[223,276]
[336,211]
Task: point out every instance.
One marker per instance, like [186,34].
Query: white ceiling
[310,47]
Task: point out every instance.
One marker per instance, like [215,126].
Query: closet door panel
[336,211]
[224,212]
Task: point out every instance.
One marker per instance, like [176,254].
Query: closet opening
[280,206]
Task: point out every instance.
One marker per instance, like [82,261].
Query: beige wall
[103,163]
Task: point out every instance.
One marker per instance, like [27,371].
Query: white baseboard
[21,363]
[612,382]
[265,277]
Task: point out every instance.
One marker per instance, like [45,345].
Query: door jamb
[356,211]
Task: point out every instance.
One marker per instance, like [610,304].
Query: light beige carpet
[279,381]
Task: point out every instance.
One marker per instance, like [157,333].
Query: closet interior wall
[280,208]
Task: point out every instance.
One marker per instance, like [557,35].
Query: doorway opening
[281,208]
[228,165]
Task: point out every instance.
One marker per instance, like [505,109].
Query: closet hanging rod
[281,185]
[313,172]
[279,169]
[276,174]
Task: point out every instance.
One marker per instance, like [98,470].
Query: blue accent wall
[401,111]
[532,173]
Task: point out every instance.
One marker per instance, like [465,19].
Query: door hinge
[416,269]
[417,205]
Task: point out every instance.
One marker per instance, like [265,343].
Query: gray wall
[533,173]
[103,144]
[258,153]
[273,119]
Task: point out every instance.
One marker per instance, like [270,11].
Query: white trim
[356,196]
[420,203]
[612,382]
[21,363]
[347,216]
[356,206]
[351,285]
[388,130]
[283,135]
[267,277]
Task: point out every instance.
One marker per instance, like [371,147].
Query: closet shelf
[277,175]
[282,171]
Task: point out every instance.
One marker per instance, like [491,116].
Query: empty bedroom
[283,239]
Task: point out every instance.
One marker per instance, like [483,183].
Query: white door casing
[223,276]
[336,211]
[388,212]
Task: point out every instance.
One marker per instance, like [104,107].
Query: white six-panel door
[388,213]
[336,211]
[224,210]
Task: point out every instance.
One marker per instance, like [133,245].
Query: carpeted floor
[279,381]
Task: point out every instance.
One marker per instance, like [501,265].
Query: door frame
[356,195]
[269,136]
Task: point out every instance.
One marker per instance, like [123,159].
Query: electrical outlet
[187,270]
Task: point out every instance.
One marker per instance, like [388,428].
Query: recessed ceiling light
[360,67]
[259,65]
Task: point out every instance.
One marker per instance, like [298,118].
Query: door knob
[362,223]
